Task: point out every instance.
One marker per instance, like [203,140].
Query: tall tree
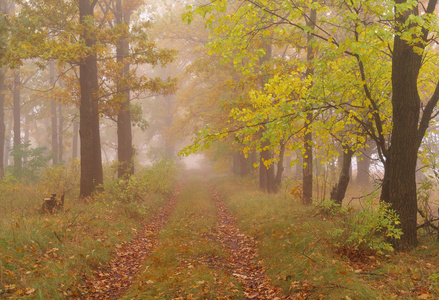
[90,148]
[308,140]
[410,40]
[124,135]
[17,117]
[54,115]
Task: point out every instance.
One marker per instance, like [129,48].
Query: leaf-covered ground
[202,254]
[222,239]
[230,241]
[111,282]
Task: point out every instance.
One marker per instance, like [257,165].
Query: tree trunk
[339,190]
[2,122]
[266,174]
[26,135]
[243,165]
[308,158]
[8,142]
[124,133]
[17,117]
[280,169]
[75,140]
[403,151]
[54,117]
[307,163]
[298,174]
[91,158]
[363,167]
[60,133]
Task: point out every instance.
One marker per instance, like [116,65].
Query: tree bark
[91,158]
[124,133]
[400,188]
[406,106]
[339,190]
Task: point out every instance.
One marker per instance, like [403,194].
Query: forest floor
[210,238]
[226,241]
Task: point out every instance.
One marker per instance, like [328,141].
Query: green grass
[296,246]
[189,260]
[44,256]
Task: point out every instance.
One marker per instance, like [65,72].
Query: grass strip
[189,262]
[293,245]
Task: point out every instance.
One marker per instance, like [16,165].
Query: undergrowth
[44,256]
[298,246]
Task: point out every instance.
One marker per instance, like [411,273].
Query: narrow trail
[113,281]
[243,261]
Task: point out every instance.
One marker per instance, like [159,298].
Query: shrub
[34,160]
[158,178]
[368,229]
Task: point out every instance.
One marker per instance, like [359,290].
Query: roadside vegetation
[46,256]
[306,255]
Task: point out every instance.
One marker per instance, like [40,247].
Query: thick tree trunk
[91,158]
[406,109]
[339,190]
[17,117]
[124,133]
[2,122]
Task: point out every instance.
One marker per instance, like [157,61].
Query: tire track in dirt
[243,260]
[113,281]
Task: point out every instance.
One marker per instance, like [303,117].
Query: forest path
[243,255]
[113,281]
[192,249]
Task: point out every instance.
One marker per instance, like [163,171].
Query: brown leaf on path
[243,256]
[112,281]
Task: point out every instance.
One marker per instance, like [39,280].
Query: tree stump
[53,204]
